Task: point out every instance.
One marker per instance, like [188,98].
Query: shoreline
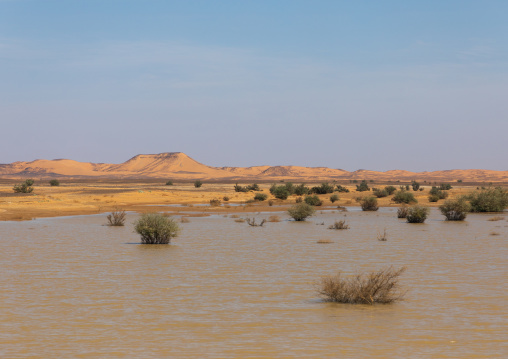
[80,198]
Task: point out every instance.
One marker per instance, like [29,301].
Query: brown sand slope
[179,166]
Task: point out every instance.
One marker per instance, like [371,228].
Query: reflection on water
[70,287]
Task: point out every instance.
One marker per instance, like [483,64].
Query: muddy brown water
[72,288]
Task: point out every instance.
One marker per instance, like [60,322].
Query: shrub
[488,200]
[54,182]
[380,193]
[270,202]
[445,186]
[169,183]
[260,197]
[239,188]
[156,228]
[116,218]
[252,222]
[313,200]
[417,214]
[290,188]
[402,212]
[342,189]
[300,211]
[225,198]
[437,192]
[369,204]
[415,185]
[274,218]
[24,187]
[381,286]
[281,192]
[433,198]
[334,198]
[455,210]
[301,190]
[363,186]
[253,187]
[198,183]
[390,190]
[404,197]
[324,188]
[298,200]
[339,225]
[215,202]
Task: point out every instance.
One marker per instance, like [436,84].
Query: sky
[378,85]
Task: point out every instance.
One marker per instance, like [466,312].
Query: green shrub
[445,186]
[324,188]
[380,193]
[239,188]
[434,198]
[488,200]
[455,210]
[415,185]
[375,287]
[404,197]
[298,200]
[390,190]
[198,183]
[24,187]
[363,186]
[156,228]
[334,198]
[313,200]
[417,214]
[440,193]
[260,197]
[369,204]
[225,198]
[301,190]
[341,189]
[300,211]
[169,183]
[253,187]
[54,182]
[281,192]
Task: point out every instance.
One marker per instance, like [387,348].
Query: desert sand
[92,197]
[139,185]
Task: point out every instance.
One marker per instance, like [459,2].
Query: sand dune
[179,166]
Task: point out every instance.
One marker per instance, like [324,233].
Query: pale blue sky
[379,85]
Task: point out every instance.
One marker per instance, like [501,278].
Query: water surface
[73,288]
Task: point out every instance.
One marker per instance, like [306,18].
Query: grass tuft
[365,288]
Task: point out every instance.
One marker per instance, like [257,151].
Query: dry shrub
[234,216]
[270,203]
[339,225]
[225,198]
[496,218]
[239,220]
[215,202]
[365,288]
[342,208]
[252,222]
[116,218]
[383,237]
[324,241]
[494,233]
[184,220]
[274,219]
[402,212]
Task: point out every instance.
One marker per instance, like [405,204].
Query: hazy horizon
[338,84]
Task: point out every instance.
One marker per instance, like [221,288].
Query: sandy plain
[76,197]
